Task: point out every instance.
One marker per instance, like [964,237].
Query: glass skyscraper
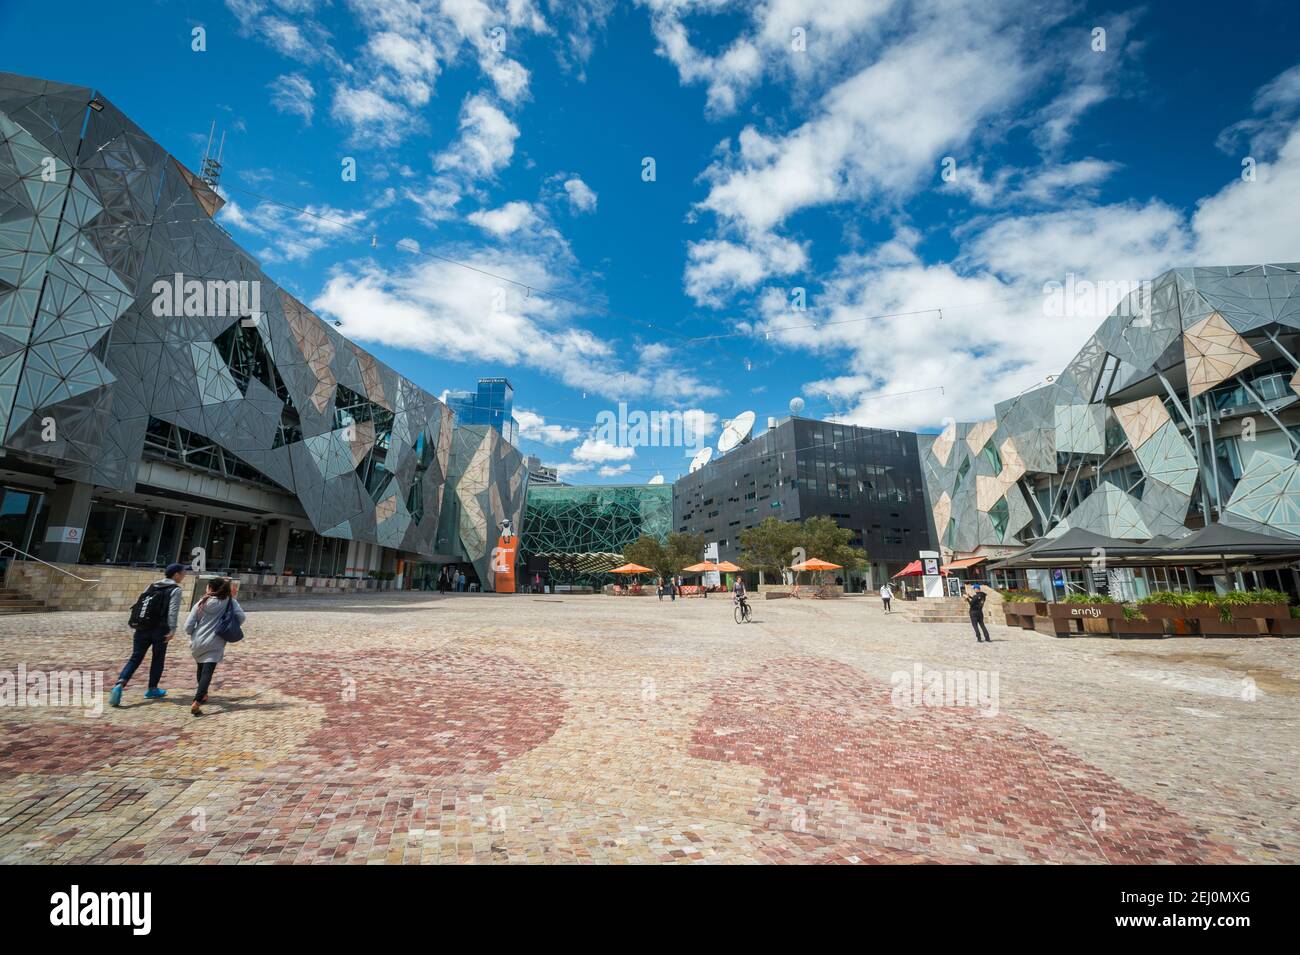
[493,405]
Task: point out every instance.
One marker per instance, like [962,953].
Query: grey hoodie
[201,625]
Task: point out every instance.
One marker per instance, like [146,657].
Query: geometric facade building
[146,357]
[1181,409]
[580,532]
[487,482]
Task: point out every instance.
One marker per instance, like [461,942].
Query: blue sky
[797,145]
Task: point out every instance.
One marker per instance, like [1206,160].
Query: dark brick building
[866,479]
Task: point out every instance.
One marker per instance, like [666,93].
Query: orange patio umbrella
[812,563]
[704,566]
[631,569]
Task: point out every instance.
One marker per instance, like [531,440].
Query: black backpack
[149,612]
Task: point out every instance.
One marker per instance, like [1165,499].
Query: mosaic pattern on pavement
[407,728]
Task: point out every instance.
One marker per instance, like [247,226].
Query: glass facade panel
[17,512]
[136,543]
[169,543]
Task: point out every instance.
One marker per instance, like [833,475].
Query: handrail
[6,545]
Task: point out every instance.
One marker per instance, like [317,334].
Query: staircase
[947,609]
[15,601]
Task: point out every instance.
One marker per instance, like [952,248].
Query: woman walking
[209,647]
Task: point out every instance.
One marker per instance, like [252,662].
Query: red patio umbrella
[914,570]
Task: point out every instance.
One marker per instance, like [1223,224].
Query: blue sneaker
[154,694]
[115,696]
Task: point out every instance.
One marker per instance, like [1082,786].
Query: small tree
[768,546]
[648,552]
[821,537]
[684,549]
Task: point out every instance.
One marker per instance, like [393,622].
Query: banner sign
[503,563]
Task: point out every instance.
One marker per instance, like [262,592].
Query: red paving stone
[409,729]
[827,736]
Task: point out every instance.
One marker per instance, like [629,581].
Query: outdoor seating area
[1238,613]
[1217,550]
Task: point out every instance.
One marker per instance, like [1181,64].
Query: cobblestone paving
[473,728]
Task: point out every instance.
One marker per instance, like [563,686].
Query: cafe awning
[1224,540]
[964,563]
[1076,545]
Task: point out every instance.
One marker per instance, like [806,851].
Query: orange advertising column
[503,563]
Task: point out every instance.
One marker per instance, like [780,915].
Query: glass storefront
[18,510]
[232,545]
[126,535]
[136,543]
[169,541]
[99,543]
[310,555]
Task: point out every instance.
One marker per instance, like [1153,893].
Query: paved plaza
[411,728]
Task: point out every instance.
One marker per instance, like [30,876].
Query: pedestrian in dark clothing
[976,600]
[158,607]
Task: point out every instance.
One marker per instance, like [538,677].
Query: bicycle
[742,611]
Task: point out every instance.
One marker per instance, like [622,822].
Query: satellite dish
[657,479]
[796,405]
[736,432]
[701,458]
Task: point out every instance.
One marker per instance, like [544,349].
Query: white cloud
[459,314]
[766,46]
[508,219]
[373,118]
[405,45]
[718,268]
[996,336]
[437,199]
[599,451]
[1068,180]
[608,471]
[1276,105]
[1091,76]
[698,425]
[581,196]
[303,38]
[293,93]
[880,133]
[487,140]
[485,146]
[535,427]
[291,235]
[408,64]
[1254,221]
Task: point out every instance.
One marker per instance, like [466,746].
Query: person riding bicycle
[738,592]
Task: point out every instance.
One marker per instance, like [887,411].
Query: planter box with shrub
[1264,617]
[1065,615]
[1153,626]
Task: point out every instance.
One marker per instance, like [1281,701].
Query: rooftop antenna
[210,168]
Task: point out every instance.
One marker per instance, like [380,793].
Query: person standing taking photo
[976,599]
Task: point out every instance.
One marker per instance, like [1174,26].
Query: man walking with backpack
[153,618]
